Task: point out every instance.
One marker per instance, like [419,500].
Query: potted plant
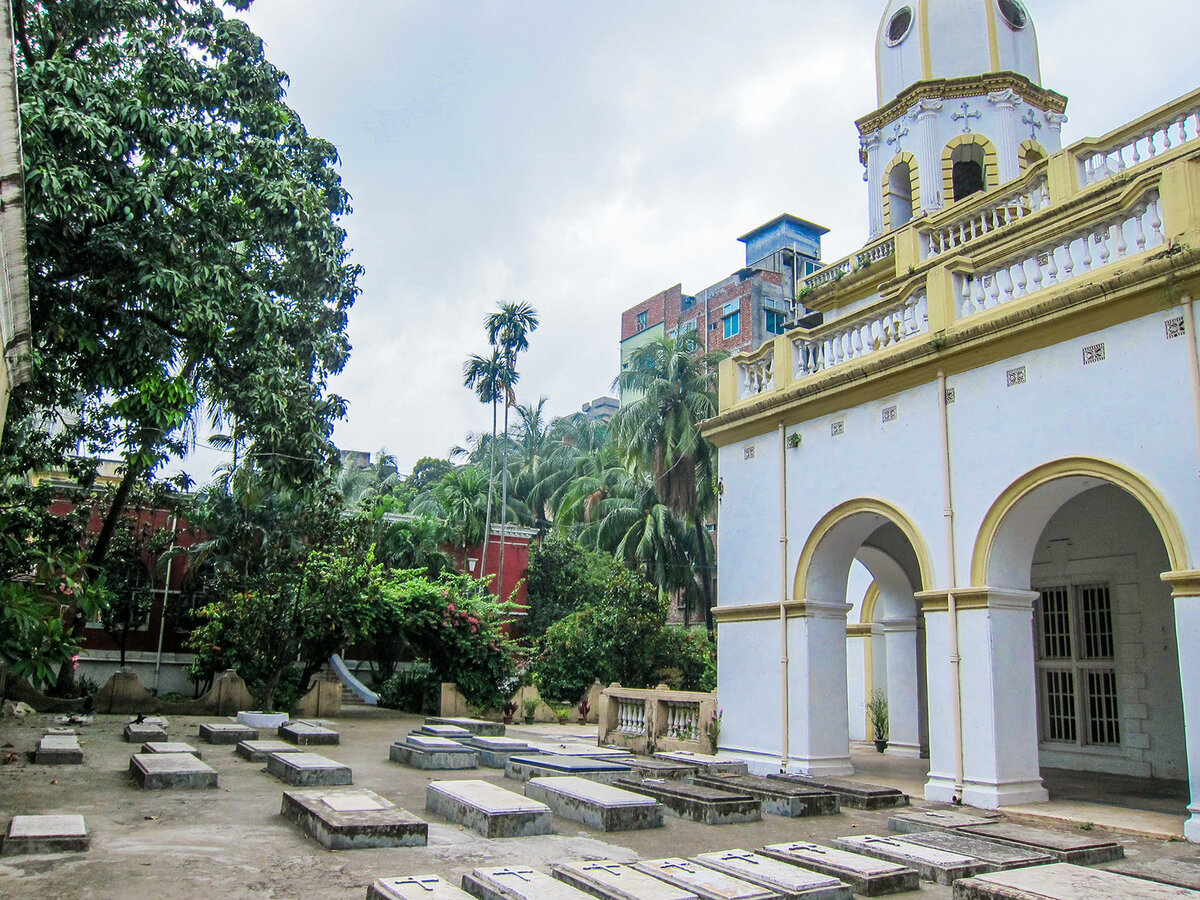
[562,712]
[877,715]
[529,705]
[584,708]
[510,710]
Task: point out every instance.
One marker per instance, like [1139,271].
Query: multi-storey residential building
[972,486]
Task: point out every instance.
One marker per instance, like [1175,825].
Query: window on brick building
[732,324]
[776,322]
[641,321]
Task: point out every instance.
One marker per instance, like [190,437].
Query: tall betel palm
[660,434]
[492,380]
[508,331]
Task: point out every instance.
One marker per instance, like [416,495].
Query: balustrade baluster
[1156,218]
[1122,244]
[1068,266]
[992,290]
[1037,274]
[1166,133]
[1139,232]
[1022,279]
[1086,256]
[1004,278]
[1052,266]
[1100,239]
[1150,139]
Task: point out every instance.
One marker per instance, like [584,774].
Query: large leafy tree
[185,252]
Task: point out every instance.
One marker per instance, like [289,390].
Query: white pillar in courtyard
[819,734]
[1000,741]
[904,735]
[1187,627]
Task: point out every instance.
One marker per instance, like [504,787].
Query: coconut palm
[492,380]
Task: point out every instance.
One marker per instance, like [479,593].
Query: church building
[971,484]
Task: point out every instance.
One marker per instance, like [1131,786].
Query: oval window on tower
[1014,13]
[899,26]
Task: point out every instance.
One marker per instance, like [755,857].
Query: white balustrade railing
[875,253]
[683,720]
[860,260]
[833,272]
[845,342]
[631,716]
[1142,146]
[756,376]
[1076,253]
[1013,206]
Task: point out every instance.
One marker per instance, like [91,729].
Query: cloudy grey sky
[583,157]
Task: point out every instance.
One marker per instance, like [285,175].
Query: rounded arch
[839,534]
[866,615]
[1031,152]
[989,162]
[907,195]
[1016,519]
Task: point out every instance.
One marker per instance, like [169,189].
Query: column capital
[924,109]
[1005,99]
[1055,121]
[899,626]
[870,141]
[1184,583]
[976,598]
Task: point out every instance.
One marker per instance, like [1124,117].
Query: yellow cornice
[1183,584]
[967,598]
[759,612]
[859,630]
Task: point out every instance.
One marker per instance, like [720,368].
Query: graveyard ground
[232,842]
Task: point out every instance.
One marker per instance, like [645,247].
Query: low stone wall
[453,703]
[651,720]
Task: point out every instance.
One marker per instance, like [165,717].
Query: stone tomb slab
[1062,881]
[475,726]
[450,732]
[522,768]
[616,881]
[599,806]
[308,769]
[487,808]
[866,875]
[161,771]
[58,750]
[45,834]
[140,732]
[700,803]
[790,881]
[997,856]
[495,751]
[1064,846]
[573,748]
[781,798]
[258,751]
[660,768]
[422,751]
[415,887]
[518,883]
[706,762]
[170,747]
[704,882]
[931,863]
[1179,872]
[306,734]
[226,733]
[350,820]
[853,794]
[916,820]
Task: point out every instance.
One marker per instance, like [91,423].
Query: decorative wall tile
[1093,353]
[1175,327]
[889,414]
[1016,376]
[838,427]
[749,452]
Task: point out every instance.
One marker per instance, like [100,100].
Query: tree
[562,577]
[492,380]
[185,253]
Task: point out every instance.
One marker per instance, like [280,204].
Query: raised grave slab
[226,733]
[788,880]
[1064,846]
[997,856]
[350,820]
[706,762]
[58,750]
[308,769]
[475,726]
[170,747]
[159,771]
[495,751]
[258,751]
[450,732]
[522,768]
[660,768]
[140,732]
[518,883]
[1062,881]
[853,794]
[415,887]
[703,881]
[614,881]
[1179,872]
[932,864]
[425,752]
[487,808]
[306,734]
[780,798]
[45,834]
[912,820]
[866,875]
[599,806]
[573,748]
[700,803]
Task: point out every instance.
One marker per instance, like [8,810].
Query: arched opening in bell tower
[967,176]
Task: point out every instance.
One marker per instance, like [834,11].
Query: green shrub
[415,690]
[562,578]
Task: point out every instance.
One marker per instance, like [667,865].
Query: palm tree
[492,380]
[508,331]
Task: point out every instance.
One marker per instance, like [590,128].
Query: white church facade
[975,486]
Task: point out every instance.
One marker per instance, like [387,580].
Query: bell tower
[961,106]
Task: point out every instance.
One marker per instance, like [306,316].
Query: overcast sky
[583,157]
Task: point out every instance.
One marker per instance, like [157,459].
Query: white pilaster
[1187,627]
[929,157]
[1055,122]
[819,726]
[904,734]
[870,145]
[1008,146]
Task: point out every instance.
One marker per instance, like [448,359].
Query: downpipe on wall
[951,600]
[785,750]
[1189,327]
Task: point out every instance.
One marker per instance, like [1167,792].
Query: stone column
[999,705]
[819,727]
[904,735]
[1187,630]
[1054,136]
[1008,146]
[929,153]
[870,144]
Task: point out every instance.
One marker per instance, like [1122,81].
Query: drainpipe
[162,618]
[1189,327]
[951,601]
[785,750]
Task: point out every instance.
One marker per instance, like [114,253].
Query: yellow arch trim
[914,182]
[991,167]
[1026,146]
[1114,473]
[852,508]
[870,598]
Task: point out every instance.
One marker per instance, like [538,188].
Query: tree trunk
[487,524]
[706,591]
[503,508]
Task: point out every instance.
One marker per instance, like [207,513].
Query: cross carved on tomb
[682,864]
[966,116]
[611,868]
[811,848]
[422,883]
[515,873]
[875,840]
[1030,118]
